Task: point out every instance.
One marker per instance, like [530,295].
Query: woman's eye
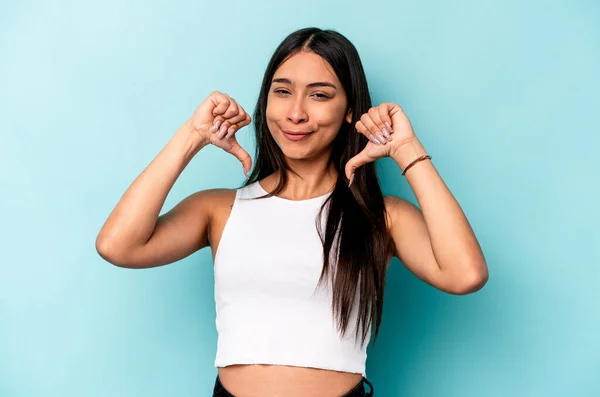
[318,95]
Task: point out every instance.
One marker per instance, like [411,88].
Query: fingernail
[387,135]
[230,133]
[216,127]
[389,127]
[351,180]
[381,138]
[222,132]
[374,140]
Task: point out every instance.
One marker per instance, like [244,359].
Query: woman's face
[305,106]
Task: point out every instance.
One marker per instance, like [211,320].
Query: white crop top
[269,309]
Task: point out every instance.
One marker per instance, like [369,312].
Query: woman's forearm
[453,241]
[132,221]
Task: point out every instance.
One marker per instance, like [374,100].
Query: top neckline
[293,201]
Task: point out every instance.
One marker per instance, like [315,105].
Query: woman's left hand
[387,128]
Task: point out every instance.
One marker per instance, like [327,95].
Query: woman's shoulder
[392,201]
[210,202]
[219,199]
[397,207]
[214,195]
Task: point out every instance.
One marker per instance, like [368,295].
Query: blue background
[504,96]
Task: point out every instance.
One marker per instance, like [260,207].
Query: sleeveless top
[268,305]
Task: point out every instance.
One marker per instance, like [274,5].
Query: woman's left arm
[436,243]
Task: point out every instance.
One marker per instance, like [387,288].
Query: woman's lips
[295,136]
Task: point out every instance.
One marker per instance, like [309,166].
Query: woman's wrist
[189,141]
[407,152]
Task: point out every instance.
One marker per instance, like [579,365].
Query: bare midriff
[280,380]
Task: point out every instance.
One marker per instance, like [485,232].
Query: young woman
[301,250]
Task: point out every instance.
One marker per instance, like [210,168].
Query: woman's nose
[297,114]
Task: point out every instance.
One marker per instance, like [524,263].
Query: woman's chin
[296,155]
[294,151]
[306,154]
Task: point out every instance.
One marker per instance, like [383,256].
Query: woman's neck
[305,182]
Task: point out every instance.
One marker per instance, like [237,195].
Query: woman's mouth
[295,135]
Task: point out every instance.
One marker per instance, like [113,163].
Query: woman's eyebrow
[315,84]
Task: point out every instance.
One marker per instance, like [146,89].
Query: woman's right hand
[217,120]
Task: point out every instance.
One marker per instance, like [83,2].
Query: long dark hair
[355,229]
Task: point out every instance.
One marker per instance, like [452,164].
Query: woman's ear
[349,117]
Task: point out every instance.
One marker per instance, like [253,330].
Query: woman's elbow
[472,283]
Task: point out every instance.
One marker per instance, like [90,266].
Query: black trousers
[357,391]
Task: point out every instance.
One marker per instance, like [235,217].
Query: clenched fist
[217,120]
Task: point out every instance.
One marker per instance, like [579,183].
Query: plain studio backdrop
[504,96]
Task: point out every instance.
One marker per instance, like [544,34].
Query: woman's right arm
[134,236]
